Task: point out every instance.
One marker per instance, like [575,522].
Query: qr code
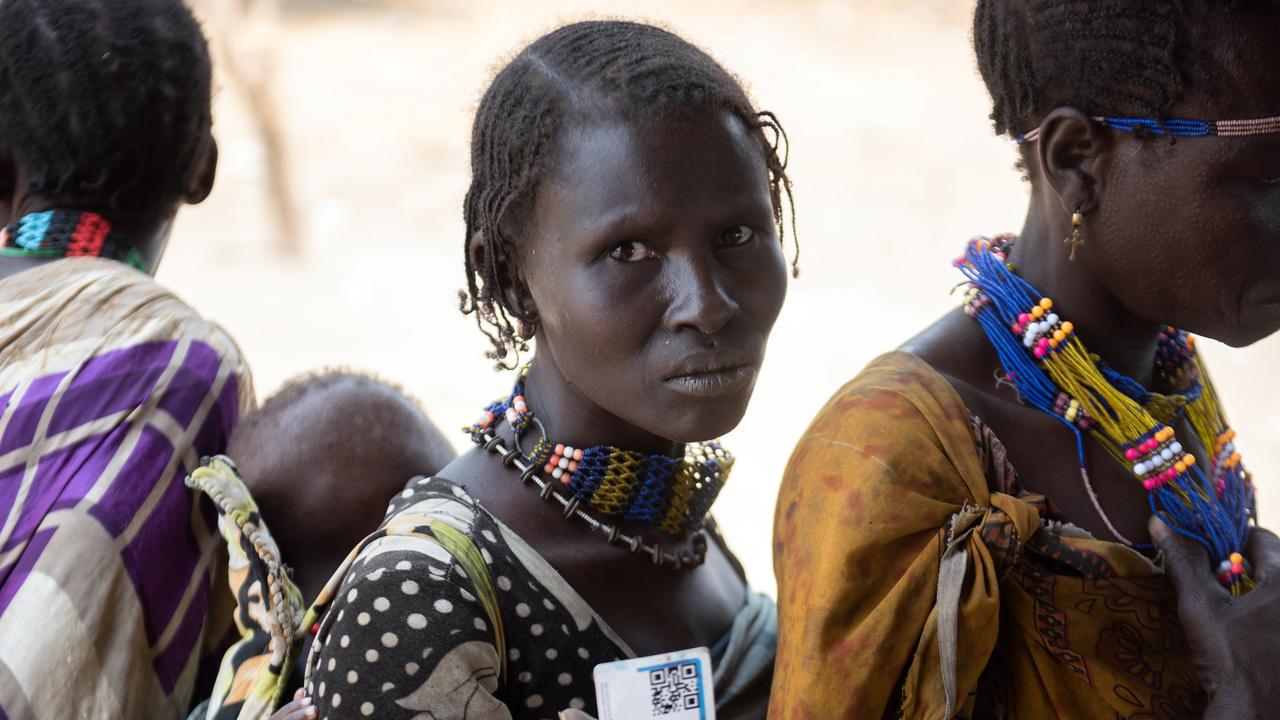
[674,688]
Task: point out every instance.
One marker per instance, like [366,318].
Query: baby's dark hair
[1102,57]
[105,102]
[635,69]
[334,445]
[315,382]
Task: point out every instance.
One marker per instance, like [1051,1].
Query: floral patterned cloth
[917,579]
[270,612]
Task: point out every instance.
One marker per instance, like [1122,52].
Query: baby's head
[323,457]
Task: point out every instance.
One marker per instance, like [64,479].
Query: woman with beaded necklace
[963,531]
[625,213]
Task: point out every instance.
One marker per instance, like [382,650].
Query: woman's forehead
[1232,67]
[657,156]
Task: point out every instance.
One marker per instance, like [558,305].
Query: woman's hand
[574,715]
[299,709]
[1235,641]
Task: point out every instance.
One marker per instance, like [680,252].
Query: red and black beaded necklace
[67,233]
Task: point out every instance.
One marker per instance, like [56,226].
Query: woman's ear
[201,179]
[498,258]
[1074,153]
[8,186]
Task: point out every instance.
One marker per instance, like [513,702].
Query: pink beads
[563,463]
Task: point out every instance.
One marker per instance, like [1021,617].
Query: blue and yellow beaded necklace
[674,494]
[1054,372]
[64,233]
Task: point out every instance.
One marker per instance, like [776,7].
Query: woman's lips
[713,383]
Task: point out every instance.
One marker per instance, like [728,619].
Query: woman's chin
[708,423]
[1259,324]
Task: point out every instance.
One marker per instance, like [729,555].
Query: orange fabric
[1051,623]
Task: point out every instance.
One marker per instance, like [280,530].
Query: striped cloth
[111,389]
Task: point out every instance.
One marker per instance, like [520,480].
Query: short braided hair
[105,102]
[1103,57]
[634,69]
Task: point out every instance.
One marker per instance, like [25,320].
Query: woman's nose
[698,297]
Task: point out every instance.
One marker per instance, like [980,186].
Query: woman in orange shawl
[920,574]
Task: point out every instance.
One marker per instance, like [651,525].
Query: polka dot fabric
[408,634]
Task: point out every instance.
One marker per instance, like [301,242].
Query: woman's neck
[1125,342]
[147,230]
[572,418]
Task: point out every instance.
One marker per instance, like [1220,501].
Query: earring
[526,329]
[1077,233]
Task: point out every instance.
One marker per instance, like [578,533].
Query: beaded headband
[1179,128]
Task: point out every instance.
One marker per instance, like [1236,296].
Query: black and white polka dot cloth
[408,634]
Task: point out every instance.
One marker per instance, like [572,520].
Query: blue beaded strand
[1219,524]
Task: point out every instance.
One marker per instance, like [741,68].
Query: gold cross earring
[1077,234]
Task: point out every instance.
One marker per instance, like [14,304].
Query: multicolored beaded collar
[1179,128]
[61,233]
[675,494]
[1053,371]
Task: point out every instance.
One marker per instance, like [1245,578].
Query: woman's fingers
[574,715]
[1188,566]
[1264,554]
[299,709]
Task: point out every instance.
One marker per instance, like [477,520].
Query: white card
[675,686]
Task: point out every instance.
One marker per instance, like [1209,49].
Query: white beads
[564,463]
[1176,447]
[1166,454]
[1052,319]
[1140,468]
[1073,410]
[557,473]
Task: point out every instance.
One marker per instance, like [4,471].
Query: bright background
[893,160]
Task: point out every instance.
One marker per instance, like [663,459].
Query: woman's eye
[737,235]
[631,251]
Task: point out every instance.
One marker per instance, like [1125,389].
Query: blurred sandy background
[892,155]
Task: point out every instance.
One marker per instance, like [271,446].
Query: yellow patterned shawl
[270,611]
[915,575]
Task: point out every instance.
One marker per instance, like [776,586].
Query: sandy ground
[892,156]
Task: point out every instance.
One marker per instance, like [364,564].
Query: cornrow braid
[105,102]
[1104,57]
[630,68]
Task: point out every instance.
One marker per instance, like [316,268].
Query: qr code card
[675,686]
